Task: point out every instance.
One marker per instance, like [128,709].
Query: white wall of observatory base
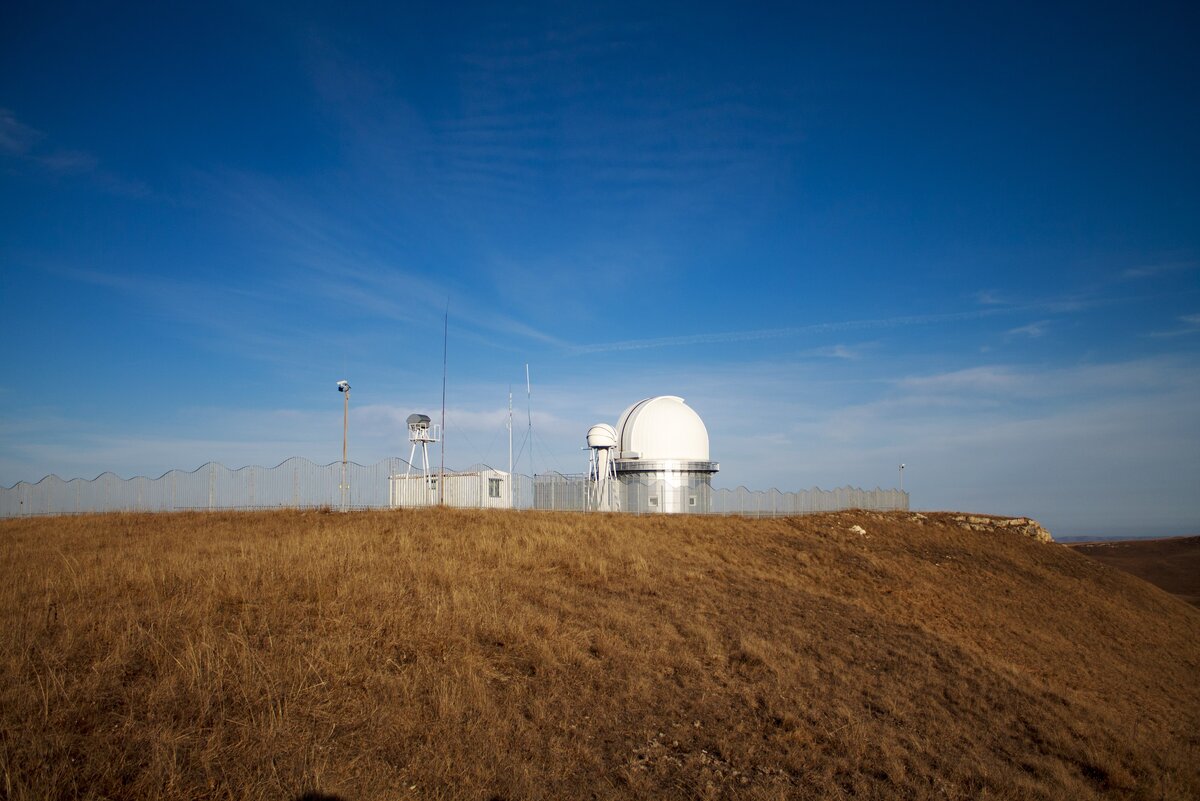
[660,491]
[667,490]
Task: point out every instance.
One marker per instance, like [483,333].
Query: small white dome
[602,435]
[662,428]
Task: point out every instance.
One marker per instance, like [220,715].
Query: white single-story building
[484,488]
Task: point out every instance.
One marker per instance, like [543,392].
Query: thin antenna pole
[345,429]
[529,415]
[445,348]
[510,464]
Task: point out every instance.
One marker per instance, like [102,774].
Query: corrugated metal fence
[298,483]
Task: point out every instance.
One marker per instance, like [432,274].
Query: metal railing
[298,483]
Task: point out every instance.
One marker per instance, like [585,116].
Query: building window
[493,488]
[691,500]
[433,483]
[654,502]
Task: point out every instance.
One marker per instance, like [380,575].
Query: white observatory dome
[662,428]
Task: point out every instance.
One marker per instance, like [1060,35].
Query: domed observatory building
[661,457]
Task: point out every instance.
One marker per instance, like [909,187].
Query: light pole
[902,477]
[344,388]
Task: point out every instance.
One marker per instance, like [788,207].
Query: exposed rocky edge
[1024,525]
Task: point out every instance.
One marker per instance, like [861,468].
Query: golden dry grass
[1172,564]
[503,655]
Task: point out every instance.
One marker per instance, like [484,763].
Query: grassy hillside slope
[1172,564]
[503,655]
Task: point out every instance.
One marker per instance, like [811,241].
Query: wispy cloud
[1032,330]
[16,138]
[989,297]
[975,380]
[241,318]
[1021,383]
[360,268]
[1155,270]
[524,128]
[839,351]
[779,333]
[992,307]
[1187,324]
[27,145]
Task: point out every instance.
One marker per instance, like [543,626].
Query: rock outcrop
[1023,525]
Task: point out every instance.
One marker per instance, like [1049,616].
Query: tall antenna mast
[445,344]
[510,464]
[529,415]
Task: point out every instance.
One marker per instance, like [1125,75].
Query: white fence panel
[298,483]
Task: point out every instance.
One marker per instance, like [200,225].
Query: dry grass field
[504,655]
[1173,564]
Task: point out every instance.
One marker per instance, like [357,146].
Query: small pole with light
[344,387]
[902,476]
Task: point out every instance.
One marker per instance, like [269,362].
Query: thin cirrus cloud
[16,138]
[989,297]
[1185,324]
[991,305]
[524,124]
[209,313]
[1031,330]
[313,253]
[1155,270]
[779,333]
[1019,383]
[29,146]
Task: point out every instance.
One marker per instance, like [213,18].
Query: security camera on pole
[344,388]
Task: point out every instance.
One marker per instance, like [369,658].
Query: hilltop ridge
[505,655]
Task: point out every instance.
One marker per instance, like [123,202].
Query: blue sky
[966,239]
